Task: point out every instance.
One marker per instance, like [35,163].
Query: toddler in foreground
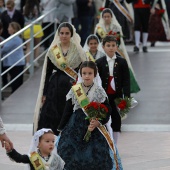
[41,155]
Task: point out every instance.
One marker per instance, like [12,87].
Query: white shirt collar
[108,58]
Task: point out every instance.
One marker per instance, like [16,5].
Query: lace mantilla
[96,94]
[55,163]
[72,59]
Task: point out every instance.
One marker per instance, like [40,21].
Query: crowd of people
[82,68]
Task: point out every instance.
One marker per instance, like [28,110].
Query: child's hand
[93,124]
[8,147]
[152,11]
[43,99]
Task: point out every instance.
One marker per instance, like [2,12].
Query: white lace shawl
[99,54]
[73,58]
[86,48]
[96,94]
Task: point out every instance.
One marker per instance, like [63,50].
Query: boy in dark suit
[114,73]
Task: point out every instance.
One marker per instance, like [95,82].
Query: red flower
[161,12]
[101,9]
[112,33]
[96,111]
[94,105]
[104,107]
[122,105]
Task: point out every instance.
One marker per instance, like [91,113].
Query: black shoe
[152,44]
[145,50]
[136,49]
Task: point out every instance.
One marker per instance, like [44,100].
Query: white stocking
[116,136]
[145,38]
[137,38]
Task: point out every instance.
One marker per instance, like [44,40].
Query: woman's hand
[43,99]
[93,124]
[4,138]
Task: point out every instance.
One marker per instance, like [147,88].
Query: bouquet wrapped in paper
[96,111]
[124,106]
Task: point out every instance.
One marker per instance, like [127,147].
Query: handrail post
[31,70]
[0,78]
[55,27]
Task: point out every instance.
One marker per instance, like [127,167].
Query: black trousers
[141,19]
[116,119]
[5,76]
[48,31]
[13,73]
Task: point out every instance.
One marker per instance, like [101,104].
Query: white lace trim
[96,94]
[73,59]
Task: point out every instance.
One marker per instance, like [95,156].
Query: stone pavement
[145,138]
[138,150]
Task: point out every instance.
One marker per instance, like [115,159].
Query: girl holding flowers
[99,152]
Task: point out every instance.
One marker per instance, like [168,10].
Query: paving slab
[138,150]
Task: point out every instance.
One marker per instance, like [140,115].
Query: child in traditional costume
[108,25]
[114,73]
[91,48]
[99,152]
[41,155]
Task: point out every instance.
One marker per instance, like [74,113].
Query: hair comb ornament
[116,35]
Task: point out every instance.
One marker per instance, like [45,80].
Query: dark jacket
[84,10]
[5,19]
[17,157]
[121,75]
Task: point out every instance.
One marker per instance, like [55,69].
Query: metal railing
[29,68]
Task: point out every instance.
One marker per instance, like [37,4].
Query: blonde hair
[15,26]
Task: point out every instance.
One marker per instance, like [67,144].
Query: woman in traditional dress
[119,16]
[109,25]
[91,48]
[60,68]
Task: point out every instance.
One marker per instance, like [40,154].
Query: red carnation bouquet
[96,111]
[123,105]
